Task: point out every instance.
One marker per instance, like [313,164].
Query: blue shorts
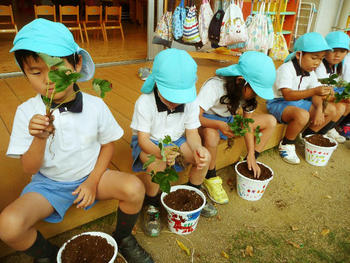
[59,194]
[277,106]
[219,118]
[136,150]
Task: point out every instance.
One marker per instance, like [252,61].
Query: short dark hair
[22,55]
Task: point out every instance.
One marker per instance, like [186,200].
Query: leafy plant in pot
[248,187]
[183,203]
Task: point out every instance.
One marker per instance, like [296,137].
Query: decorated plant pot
[183,222]
[252,189]
[82,243]
[319,155]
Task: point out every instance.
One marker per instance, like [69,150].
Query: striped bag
[191,31]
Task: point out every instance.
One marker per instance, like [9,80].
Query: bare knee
[134,190]
[302,117]
[331,110]
[211,137]
[12,224]
[270,121]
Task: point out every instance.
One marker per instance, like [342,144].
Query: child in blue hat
[168,107]
[333,63]
[220,97]
[298,94]
[69,167]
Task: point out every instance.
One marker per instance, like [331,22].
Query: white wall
[327,14]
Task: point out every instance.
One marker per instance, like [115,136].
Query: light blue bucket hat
[338,39]
[309,42]
[175,73]
[257,69]
[54,39]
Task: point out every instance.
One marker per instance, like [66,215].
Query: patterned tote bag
[179,17]
[191,31]
[163,33]
[204,18]
[233,29]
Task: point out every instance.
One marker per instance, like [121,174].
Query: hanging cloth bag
[179,17]
[215,26]
[258,32]
[204,18]
[233,29]
[191,31]
[279,50]
[163,32]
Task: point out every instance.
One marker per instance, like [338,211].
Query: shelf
[347,29]
[274,13]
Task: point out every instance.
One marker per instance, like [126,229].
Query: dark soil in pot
[319,140]
[183,200]
[89,249]
[265,172]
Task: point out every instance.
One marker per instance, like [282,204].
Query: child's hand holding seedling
[225,129]
[171,153]
[39,126]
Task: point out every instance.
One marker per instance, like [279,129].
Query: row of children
[71,166]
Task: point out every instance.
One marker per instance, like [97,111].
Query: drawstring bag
[279,50]
[233,29]
[179,17]
[191,31]
[163,33]
[204,18]
[258,32]
[215,26]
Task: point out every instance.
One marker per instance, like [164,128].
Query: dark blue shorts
[136,150]
[59,194]
[277,106]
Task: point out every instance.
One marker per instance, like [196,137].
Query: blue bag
[179,17]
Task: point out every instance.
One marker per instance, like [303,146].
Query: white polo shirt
[346,68]
[147,118]
[289,75]
[209,98]
[324,70]
[71,153]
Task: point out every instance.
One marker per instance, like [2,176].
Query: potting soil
[318,139]
[265,172]
[89,249]
[183,200]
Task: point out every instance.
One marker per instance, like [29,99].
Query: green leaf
[46,100]
[257,134]
[165,186]
[172,175]
[167,140]
[101,86]
[63,80]
[51,61]
[151,159]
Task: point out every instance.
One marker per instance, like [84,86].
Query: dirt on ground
[303,216]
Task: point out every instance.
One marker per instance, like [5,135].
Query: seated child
[299,95]
[167,107]
[334,63]
[219,99]
[70,166]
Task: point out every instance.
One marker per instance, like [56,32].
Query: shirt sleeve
[284,77]
[20,139]
[208,96]
[109,129]
[192,116]
[143,116]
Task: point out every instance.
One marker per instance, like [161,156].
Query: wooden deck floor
[133,47]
